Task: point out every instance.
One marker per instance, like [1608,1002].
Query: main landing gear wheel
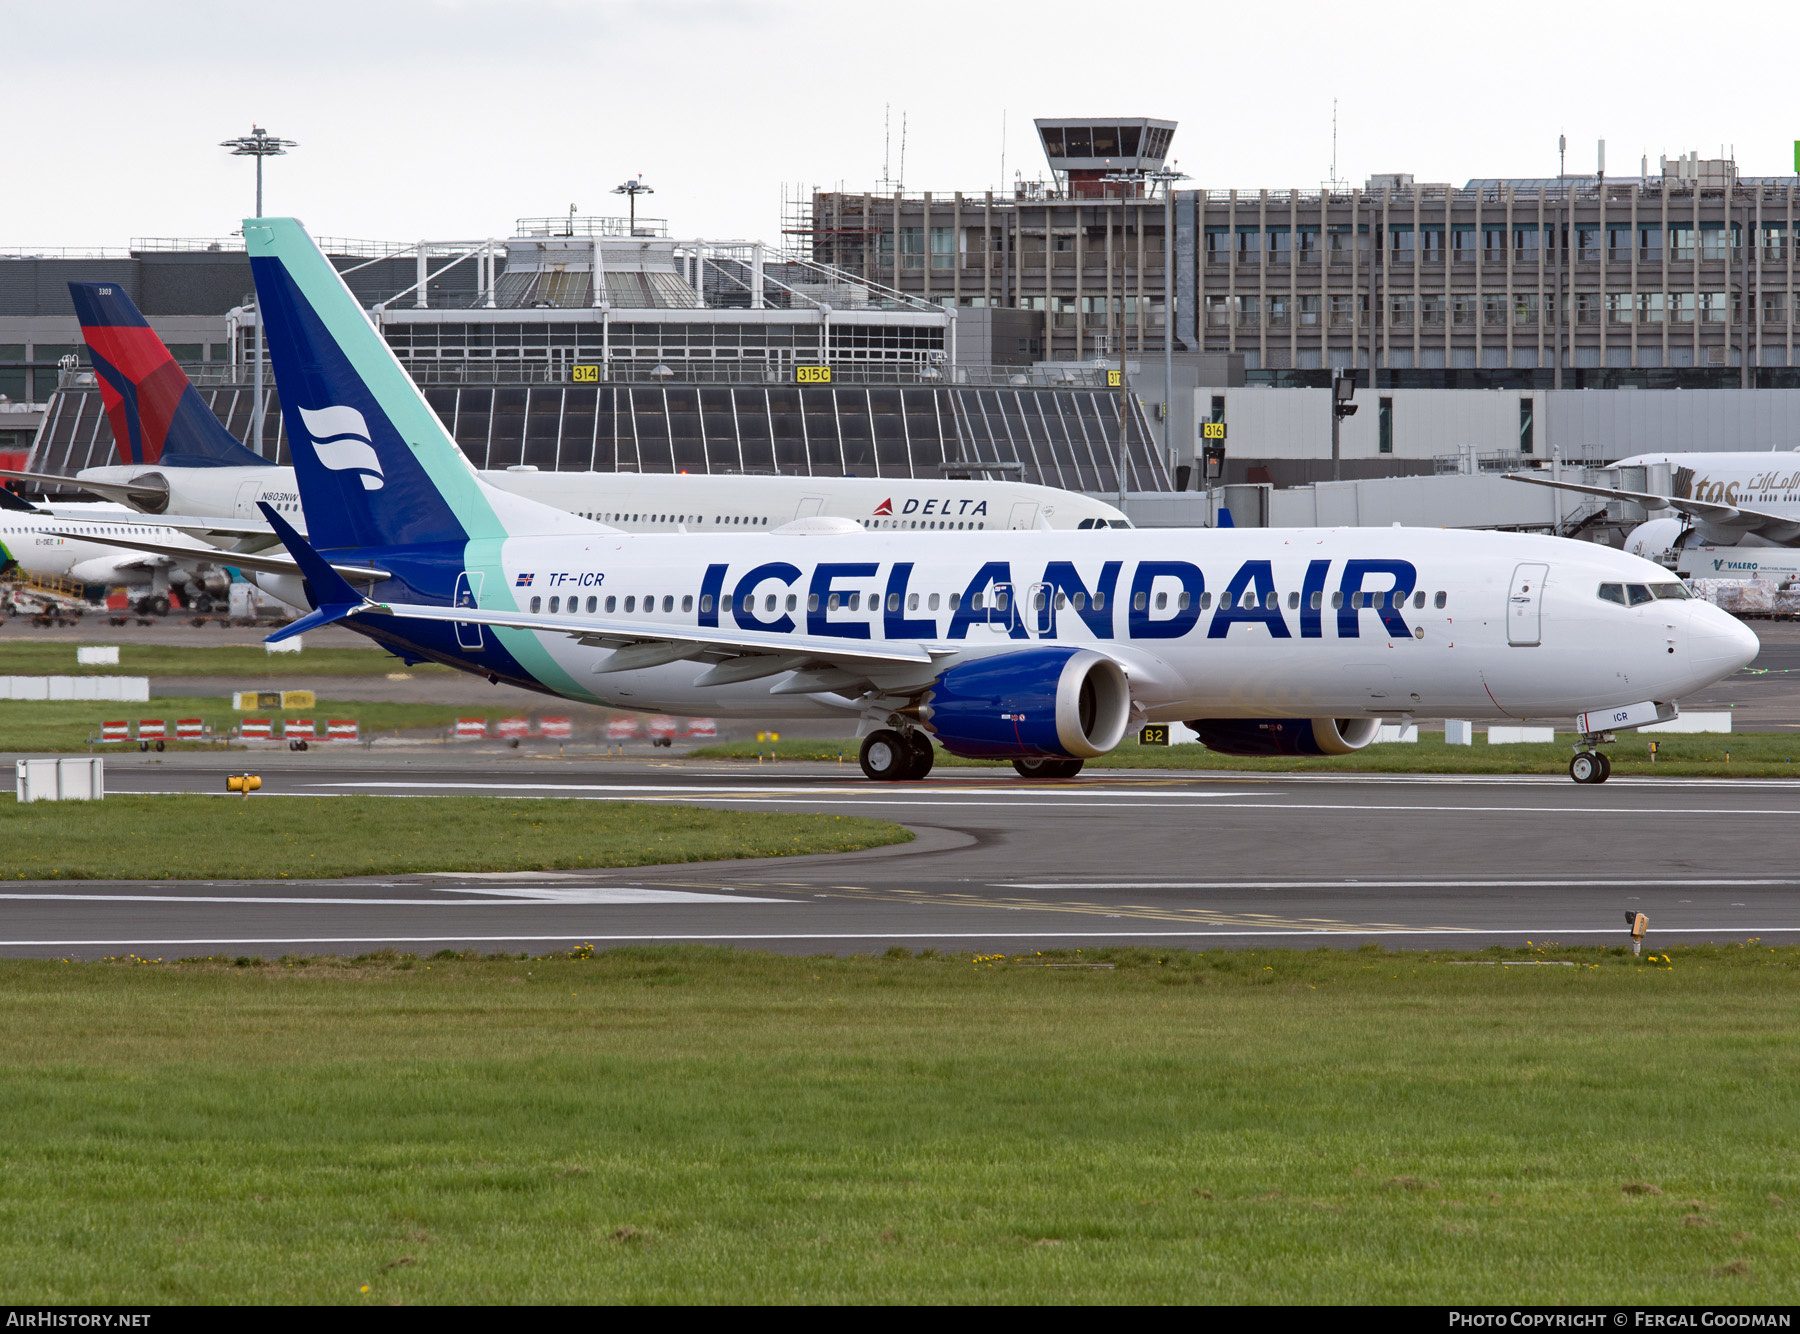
[887,757]
[923,755]
[1045,767]
[1590,766]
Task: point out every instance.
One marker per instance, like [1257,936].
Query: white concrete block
[1509,736]
[97,655]
[286,645]
[1693,722]
[1388,732]
[1458,732]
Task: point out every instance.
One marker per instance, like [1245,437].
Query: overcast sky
[450,119]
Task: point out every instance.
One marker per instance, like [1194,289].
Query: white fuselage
[36,543]
[1450,651]
[680,502]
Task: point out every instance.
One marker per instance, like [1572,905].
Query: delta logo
[524,581]
[885,507]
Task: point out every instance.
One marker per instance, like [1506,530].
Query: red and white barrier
[254,729]
[340,729]
[297,729]
[702,727]
[663,727]
[120,731]
[622,729]
[471,729]
[151,729]
[557,729]
[189,729]
[510,729]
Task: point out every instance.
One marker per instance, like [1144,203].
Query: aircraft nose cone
[1722,644]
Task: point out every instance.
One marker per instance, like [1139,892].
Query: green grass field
[254,663]
[1751,755]
[199,837]
[683,1125]
[67,725]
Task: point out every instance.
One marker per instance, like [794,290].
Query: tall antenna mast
[1002,148]
[1334,185]
[887,143]
[902,181]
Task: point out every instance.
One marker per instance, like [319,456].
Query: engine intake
[1068,703]
[1286,736]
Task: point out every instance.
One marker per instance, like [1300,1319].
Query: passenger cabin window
[812,601]
[536,603]
[1638,594]
[1318,599]
[668,602]
[553,602]
[1419,600]
[1337,600]
[956,601]
[1162,600]
[1294,601]
[631,604]
[687,602]
[931,603]
[612,604]
[1613,593]
[1139,601]
[1442,598]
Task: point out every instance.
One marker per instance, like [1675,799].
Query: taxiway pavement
[1175,858]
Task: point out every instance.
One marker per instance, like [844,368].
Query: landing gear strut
[1590,764]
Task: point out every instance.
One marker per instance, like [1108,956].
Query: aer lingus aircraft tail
[376,467]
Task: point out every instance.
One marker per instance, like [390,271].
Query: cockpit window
[1670,591]
[1638,594]
[1120,523]
[1613,593]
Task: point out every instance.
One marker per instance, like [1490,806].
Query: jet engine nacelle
[1655,538]
[106,570]
[1070,703]
[1286,736]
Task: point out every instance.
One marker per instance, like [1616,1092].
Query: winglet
[333,597]
[11,500]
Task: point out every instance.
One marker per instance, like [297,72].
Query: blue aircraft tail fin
[375,466]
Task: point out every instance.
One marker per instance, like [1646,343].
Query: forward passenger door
[1524,606]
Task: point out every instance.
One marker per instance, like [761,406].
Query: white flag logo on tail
[340,437]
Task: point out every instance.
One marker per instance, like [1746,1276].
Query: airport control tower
[1083,152]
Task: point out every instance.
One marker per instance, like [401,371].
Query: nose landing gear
[1590,764]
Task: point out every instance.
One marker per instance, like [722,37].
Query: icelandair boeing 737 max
[1023,646]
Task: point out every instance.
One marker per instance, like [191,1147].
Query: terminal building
[599,343]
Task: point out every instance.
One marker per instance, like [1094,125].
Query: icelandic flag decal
[524,581]
[886,506]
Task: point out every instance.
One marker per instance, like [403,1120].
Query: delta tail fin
[375,466]
[155,412]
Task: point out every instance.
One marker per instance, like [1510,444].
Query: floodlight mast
[259,144]
[632,189]
[1166,177]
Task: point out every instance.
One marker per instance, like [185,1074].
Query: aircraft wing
[1783,528]
[187,523]
[644,645]
[364,574]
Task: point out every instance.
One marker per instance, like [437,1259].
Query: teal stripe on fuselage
[286,241]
